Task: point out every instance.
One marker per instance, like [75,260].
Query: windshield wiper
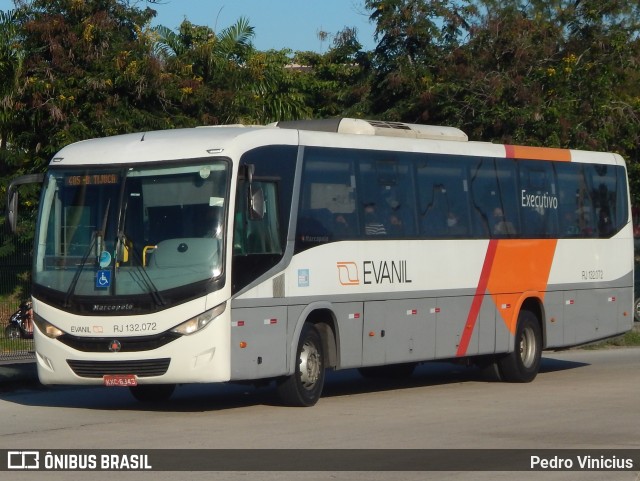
[121,243]
[96,239]
[76,276]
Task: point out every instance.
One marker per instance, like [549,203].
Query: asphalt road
[580,400]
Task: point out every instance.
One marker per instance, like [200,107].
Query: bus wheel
[523,363]
[304,387]
[152,392]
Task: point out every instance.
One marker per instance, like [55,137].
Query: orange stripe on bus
[474,311]
[511,267]
[519,266]
[537,153]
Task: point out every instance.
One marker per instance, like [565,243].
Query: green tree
[414,36]
[89,73]
[12,57]
[548,72]
[542,72]
[12,161]
[560,73]
[336,83]
[223,79]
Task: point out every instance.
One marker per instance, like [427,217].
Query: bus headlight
[47,328]
[197,323]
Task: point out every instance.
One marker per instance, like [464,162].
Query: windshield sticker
[103,279]
[104,259]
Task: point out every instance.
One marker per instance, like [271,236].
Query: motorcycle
[21,323]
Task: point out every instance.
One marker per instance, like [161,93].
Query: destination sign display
[91,179]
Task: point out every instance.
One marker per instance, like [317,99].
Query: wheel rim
[528,347]
[13,333]
[637,310]
[310,363]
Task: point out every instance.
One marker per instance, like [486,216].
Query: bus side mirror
[257,207]
[12,197]
[256,195]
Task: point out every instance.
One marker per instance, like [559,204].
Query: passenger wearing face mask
[454,228]
[502,226]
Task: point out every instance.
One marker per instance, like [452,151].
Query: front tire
[303,388]
[636,310]
[523,363]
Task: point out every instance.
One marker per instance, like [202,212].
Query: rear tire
[149,393]
[523,363]
[303,388]
[636,310]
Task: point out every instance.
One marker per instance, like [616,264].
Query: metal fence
[13,347]
[15,282]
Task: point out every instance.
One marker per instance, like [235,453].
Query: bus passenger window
[574,201]
[495,196]
[539,204]
[327,209]
[443,197]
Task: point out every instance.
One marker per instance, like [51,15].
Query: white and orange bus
[238,253]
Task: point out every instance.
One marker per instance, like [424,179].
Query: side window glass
[592,199]
[494,196]
[327,208]
[386,196]
[603,183]
[538,199]
[258,244]
[443,197]
[575,205]
[622,202]
[257,236]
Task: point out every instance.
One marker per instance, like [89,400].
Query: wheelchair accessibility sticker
[103,278]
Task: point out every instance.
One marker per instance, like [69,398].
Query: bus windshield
[131,231]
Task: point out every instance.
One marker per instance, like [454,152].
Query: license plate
[120,380]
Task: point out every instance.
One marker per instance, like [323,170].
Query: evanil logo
[348,273]
[373,272]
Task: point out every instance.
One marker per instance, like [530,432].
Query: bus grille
[97,369]
[127,344]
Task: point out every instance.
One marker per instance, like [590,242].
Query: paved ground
[582,399]
[14,373]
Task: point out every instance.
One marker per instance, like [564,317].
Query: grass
[628,339]
[8,346]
